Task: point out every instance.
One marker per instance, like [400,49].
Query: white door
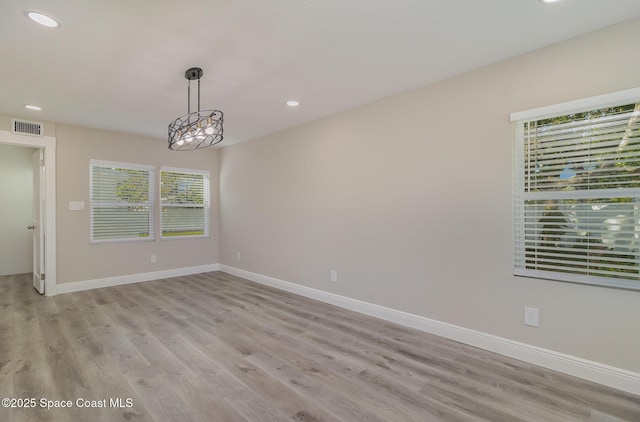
[38,218]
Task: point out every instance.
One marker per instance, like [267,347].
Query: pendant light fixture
[199,129]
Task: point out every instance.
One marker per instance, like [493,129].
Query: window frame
[520,196]
[206,205]
[150,204]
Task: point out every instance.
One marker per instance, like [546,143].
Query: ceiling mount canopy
[199,129]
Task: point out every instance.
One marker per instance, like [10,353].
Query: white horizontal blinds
[577,197]
[184,201]
[594,150]
[121,201]
[590,237]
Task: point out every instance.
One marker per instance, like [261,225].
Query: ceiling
[119,64]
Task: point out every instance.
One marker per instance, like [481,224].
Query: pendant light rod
[195,73]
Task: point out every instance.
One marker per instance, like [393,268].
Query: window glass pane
[121,202]
[589,236]
[184,196]
[121,222]
[120,185]
[595,150]
[182,188]
[182,221]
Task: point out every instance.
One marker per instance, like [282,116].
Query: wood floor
[214,347]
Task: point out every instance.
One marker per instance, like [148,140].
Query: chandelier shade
[200,129]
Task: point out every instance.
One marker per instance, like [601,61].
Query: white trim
[99,283]
[578,194]
[617,283]
[120,164]
[593,371]
[184,170]
[48,144]
[600,101]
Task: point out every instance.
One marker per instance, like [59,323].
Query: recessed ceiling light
[293,103]
[33,107]
[549,1]
[43,19]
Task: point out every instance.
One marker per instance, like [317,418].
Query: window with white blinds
[577,193]
[184,202]
[121,202]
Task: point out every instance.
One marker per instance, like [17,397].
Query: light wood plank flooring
[214,347]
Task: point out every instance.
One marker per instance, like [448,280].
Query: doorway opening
[46,265]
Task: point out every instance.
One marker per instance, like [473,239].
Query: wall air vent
[22,127]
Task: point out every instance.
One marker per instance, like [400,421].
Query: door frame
[48,144]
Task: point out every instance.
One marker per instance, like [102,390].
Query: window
[121,201]
[577,191]
[184,200]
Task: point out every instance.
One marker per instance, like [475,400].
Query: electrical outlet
[237,256]
[154,259]
[334,276]
[531,316]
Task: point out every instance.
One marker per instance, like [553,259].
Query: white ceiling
[119,64]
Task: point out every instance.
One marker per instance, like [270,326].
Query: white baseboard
[133,278]
[620,379]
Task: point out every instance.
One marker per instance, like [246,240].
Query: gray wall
[78,260]
[409,200]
